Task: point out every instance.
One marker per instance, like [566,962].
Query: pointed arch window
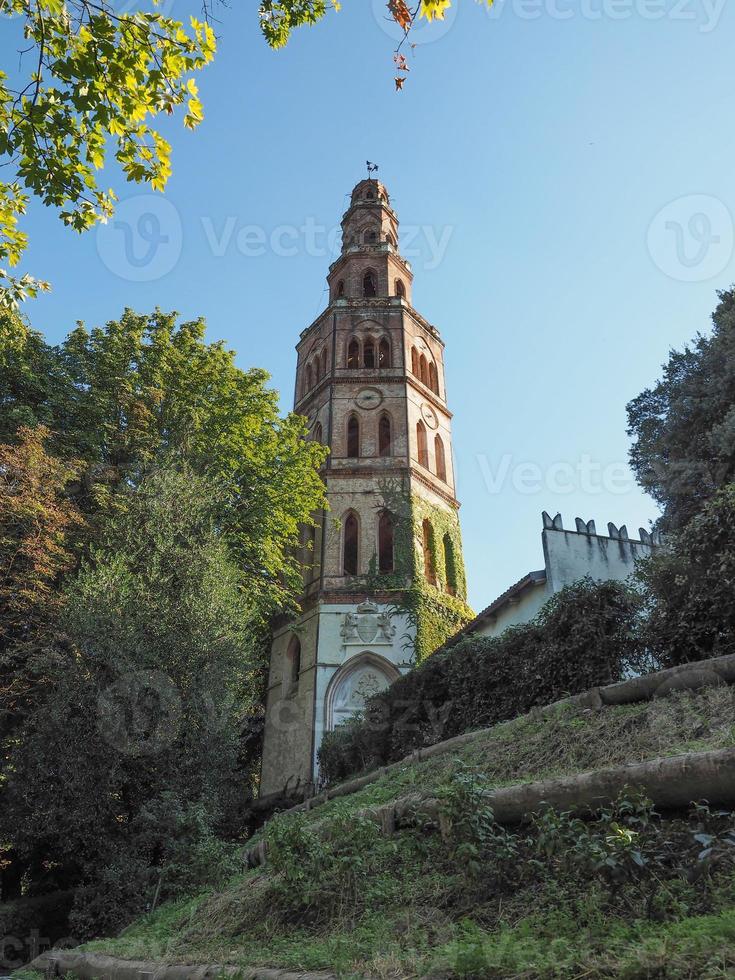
[385,542]
[384,436]
[293,664]
[368,354]
[369,285]
[324,362]
[371,237]
[340,289]
[350,545]
[424,370]
[421,447]
[317,368]
[400,289]
[353,437]
[427,541]
[415,361]
[441,461]
[309,377]
[353,354]
[384,353]
[450,565]
[433,379]
[317,433]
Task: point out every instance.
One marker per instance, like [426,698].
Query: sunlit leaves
[92,74]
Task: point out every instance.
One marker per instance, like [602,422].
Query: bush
[585,636]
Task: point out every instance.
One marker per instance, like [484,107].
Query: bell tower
[384,580]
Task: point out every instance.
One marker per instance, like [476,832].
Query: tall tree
[684,426]
[142,390]
[138,717]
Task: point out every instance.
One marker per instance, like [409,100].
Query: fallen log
[90,966]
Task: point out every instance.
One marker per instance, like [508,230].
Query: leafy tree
[684,426]
[690,586]
[138,718]
[125,397]
[38,523]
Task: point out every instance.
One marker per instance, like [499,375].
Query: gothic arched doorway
[356,681]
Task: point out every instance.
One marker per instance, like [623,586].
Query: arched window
[309,377]
[384,353]
[317,368]
[340,289]
[293,664]
[450,566]
[391,240]
[369,196]
[441,462]
[350,545]
[371,237]
[384,436]
[353,437]
[415,361]
[400,288]
[369,286]
[424,370]
[385,543]
[324,362]
[368,354]
[317,433]
[433,379]
[353,354]
[423,452]
[427,535]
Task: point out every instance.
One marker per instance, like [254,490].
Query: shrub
[585,636]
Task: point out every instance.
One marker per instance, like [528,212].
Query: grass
[364,905]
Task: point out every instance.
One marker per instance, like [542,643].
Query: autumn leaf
[400,13]
[399,83]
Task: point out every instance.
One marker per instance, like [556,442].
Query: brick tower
[384,578]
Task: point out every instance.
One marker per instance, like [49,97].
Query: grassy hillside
[625,895]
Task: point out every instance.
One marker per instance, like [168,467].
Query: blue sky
[565,171]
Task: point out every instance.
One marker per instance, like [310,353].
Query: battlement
[652,540]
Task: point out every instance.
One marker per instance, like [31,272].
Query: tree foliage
[684,426]
[132,738]
[92,81]
[126,397]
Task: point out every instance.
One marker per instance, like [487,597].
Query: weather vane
[371,168]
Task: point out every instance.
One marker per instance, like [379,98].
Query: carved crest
[367,626]
[367,621]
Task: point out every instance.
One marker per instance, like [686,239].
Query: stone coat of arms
[367,625]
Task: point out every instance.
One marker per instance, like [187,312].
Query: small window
[433,379]
[384,353]
[415,361]
[384,436]
[350,545]
[371,237]
[324,362]
[317,433]
[309,378]
[368,354]
[353,355]
[441,462]
[400,288]
[293,663]
[369,286]
[353,437]
[340,289]
[317,369]
[427,534]
[370,196]
[385,543]
[423,452]
[424,370]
